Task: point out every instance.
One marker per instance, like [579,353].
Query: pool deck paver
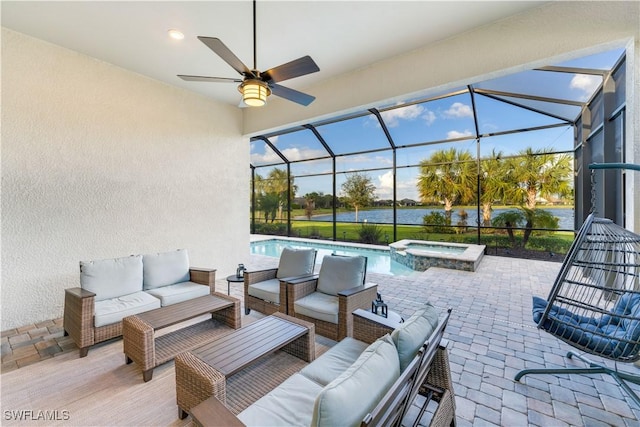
[491,337]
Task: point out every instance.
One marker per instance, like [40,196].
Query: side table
[233,279]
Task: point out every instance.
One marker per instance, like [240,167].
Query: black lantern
[378,303]
[240,270]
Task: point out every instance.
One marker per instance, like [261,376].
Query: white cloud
[452,134]
[429,117]
[392,117]
[384,189]
[457,110]
[585,83]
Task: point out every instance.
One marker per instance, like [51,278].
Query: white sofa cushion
[179,292]
[411,334]
[296,262]
[289,404]
[269,290]
[339,273]
[115,309]
[334,361]
[167,268]
[319,306]
[110,278]
[346,400]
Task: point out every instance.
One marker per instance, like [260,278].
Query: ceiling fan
[255,86]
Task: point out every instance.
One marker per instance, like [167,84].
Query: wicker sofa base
[266,307]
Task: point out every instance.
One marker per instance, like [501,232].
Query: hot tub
[419,255]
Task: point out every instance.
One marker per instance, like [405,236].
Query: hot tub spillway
[419,255]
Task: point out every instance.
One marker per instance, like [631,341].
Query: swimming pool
[378,260]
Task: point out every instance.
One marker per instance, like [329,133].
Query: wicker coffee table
[202,372]
[141,345]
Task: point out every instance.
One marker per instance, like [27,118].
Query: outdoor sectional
[112,289]
[370,379]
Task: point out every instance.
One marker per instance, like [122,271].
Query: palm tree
[358,191]
[447,176]
[493,185]
[538,174]
[277,183]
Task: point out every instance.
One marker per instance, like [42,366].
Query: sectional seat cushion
[167,268]
[411,334]
[268,290]
[339,273]
[334,361]
[179,292]
[111,278]
[115,309]
[319,306]
[346,400]
[289,404]
[296,262]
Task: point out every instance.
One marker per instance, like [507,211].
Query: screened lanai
[502,162]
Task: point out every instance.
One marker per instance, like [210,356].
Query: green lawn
[558,242]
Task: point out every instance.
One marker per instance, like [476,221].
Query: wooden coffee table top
[232,352]
[176,313]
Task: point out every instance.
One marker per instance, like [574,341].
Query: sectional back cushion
[339,273]
[167,268]
[296,262]
[411,334]
[111,278]
[346,400]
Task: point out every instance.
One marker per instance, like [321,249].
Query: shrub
[370,233]
[435,222]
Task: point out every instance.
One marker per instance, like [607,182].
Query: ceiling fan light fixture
[254,92]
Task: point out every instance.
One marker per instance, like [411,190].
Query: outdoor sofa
[112,289]
[368,379]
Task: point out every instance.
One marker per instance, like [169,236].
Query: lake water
[414,216]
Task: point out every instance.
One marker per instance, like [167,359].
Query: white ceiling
[341,36]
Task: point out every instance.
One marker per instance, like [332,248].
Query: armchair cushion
[346,400]
[296,262]
[163,269]
[334,361]
[318,306]
[338,273]
[268,290]
[115,309]
[110,278]
[290,404]
[179,292]
[411,334]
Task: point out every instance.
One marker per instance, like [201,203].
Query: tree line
[450,178]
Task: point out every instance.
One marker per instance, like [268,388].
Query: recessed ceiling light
[175,34]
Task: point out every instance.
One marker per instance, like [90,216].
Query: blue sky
[439,120]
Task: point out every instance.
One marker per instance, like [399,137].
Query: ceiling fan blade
[209,79]
[296,68]
[291,94]
[225,53]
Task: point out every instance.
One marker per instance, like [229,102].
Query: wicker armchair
[329,299]
[263,289]
[79,312]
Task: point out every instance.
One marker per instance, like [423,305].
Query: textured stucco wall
[99,162]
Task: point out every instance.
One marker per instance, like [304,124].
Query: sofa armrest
[212,413]
[350,300]
[299,289]
[368,327]
[203,276]
[79,309]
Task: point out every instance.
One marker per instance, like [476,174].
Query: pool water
[440,249]
[378,260]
